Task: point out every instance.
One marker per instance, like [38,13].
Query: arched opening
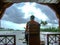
[18,14]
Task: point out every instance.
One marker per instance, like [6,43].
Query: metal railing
[53,39]
[7,40]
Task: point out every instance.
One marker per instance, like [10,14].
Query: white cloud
[20,13]
[10,25]
[30,9]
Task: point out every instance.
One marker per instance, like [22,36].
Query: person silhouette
[30,27]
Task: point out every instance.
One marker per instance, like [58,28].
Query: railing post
[5,44]
[14,40]
[47,39]
[59,39]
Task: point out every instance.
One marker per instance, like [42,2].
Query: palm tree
[44,22]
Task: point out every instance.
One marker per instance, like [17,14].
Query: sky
[17,15]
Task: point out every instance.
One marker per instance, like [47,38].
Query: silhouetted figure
[32,32]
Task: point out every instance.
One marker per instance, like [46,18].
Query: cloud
[20,12]
[11,25]
[48,11]
[17,11]
[12,14]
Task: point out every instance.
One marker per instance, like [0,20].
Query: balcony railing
[52,38]
[7,40]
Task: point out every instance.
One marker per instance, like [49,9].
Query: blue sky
[18,14]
